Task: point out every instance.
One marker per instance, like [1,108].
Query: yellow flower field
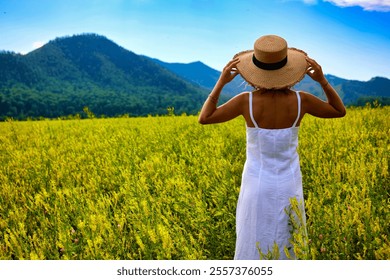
[166,187]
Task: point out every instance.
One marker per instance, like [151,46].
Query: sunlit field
[167,187]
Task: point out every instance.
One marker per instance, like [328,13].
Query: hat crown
[267,65]
[270,49]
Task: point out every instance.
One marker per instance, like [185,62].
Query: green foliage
[88,112]
[373,101]
[273,254]
[167,188]
[299,238]
[88,70]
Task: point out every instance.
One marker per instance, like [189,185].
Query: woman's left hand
[229,71]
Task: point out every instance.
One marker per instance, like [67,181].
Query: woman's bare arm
[231,109]
[334,107]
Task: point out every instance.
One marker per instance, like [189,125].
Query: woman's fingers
[310,60]
[235,60]
[232,63]
[230,70]
[314,70]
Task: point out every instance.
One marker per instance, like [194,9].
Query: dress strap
[299,108]
[251,109]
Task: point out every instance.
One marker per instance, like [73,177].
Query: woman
[273,112]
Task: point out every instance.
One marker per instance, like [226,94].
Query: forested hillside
[356,93]
[71,73]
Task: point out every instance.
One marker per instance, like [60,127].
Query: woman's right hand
[314,70]
[334,107]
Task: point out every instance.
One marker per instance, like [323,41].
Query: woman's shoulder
[242,96]
[244,93]
[307,97]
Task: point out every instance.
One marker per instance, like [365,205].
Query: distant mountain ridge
[204,76]
[352,92]
[89,70]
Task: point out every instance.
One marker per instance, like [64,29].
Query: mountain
[89,70]
[196,72]
[71,73]
[352,92]
[203,76]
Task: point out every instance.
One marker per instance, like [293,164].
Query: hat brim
[285,77]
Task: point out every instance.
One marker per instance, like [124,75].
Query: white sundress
[271,176]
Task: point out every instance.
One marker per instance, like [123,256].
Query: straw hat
[272,65]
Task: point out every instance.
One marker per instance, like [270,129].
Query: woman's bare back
[273,109]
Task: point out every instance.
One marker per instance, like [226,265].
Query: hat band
[269,66]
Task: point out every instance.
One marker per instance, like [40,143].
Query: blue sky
[349,38]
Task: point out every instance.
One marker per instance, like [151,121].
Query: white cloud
[368,5]
[37,44]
